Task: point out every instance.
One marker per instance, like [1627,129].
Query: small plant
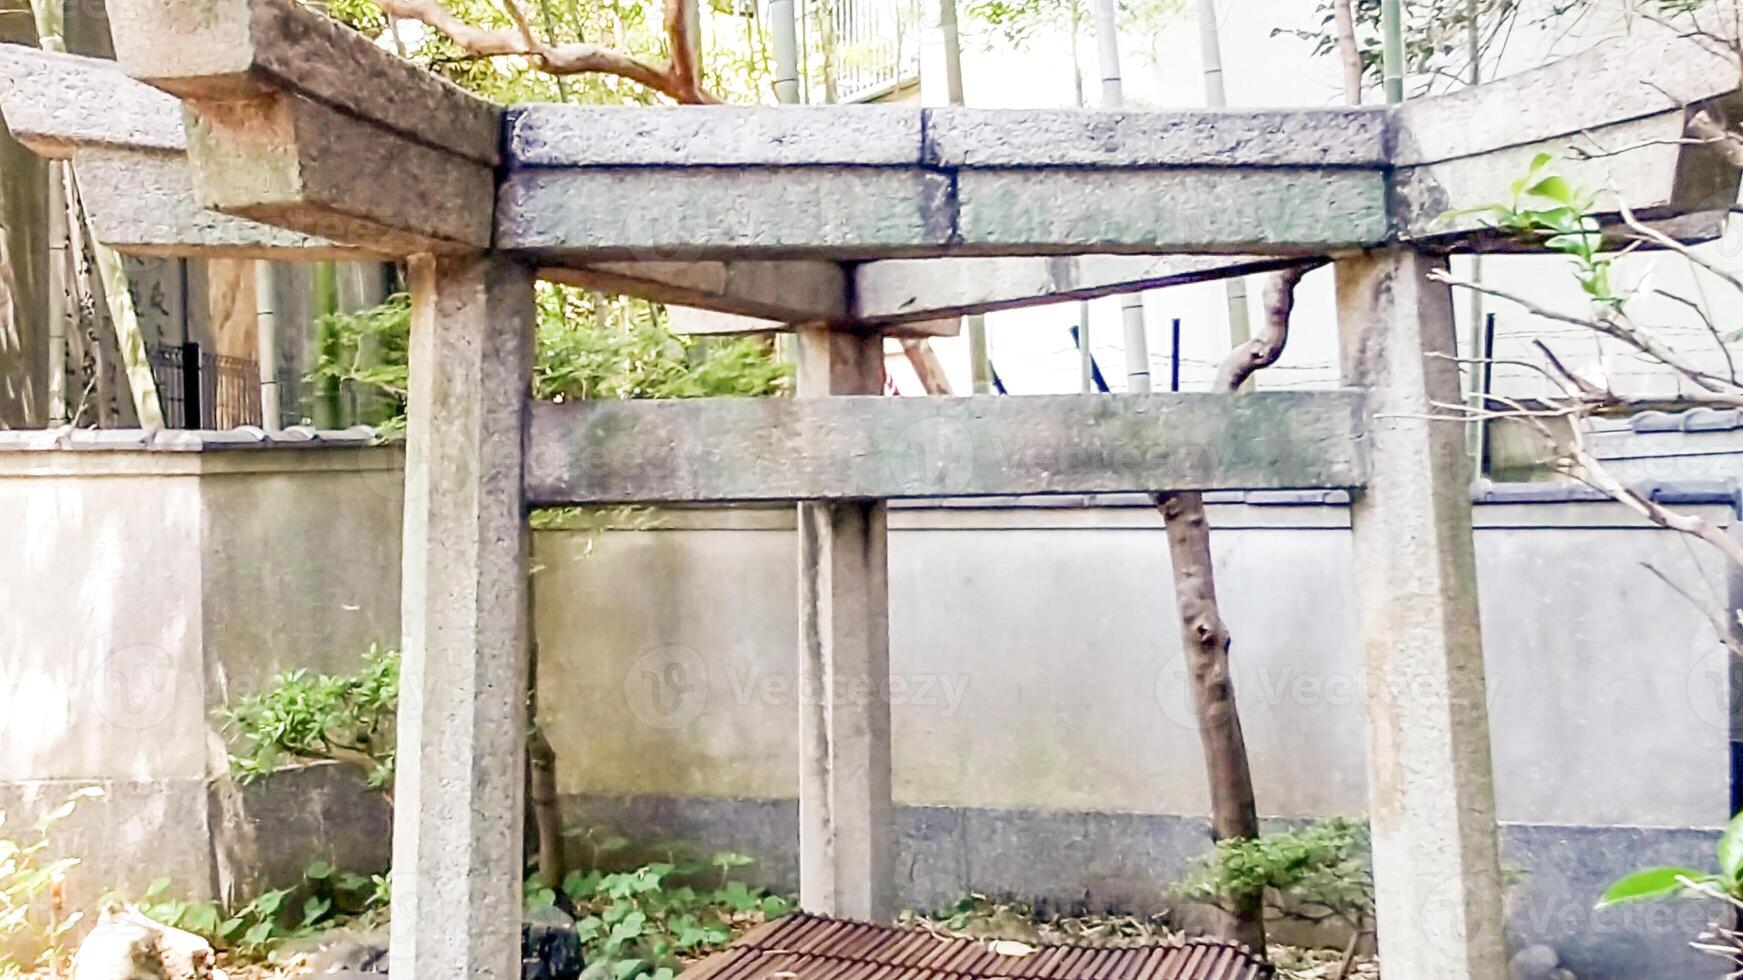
[1725,884]
[648,922]
[29,881]
[1323,870]
[1547,209]
[343,717]
[324,899]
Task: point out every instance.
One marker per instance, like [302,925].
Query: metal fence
[201,390]
[876,47]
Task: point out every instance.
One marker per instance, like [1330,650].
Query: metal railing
[200,390]
[876,47]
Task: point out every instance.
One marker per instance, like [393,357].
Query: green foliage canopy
[588,346]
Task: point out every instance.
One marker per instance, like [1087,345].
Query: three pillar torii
[302,140]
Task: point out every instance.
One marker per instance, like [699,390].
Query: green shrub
[646,923]
[302,715]
[1326,865]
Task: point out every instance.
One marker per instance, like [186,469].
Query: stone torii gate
[295,138]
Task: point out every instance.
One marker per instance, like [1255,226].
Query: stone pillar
[1431,788]
[463,699]
[845,865]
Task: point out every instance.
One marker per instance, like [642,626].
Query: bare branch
[1602,152]
[1659,237]
[1716,617]
[1593,471]
[677,80]
[1720,390]
[1712,328]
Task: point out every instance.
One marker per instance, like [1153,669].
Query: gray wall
[1042,742]
[139,590]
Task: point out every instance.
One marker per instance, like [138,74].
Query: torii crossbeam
[295,138]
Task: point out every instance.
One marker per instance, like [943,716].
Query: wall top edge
[68,439]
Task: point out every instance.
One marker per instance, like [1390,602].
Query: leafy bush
[1326,865]
[368,350]
[588,346]
[28,881]
[647,922]
[343,717]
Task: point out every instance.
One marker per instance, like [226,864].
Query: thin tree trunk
[544,810]
[1348,52]
[1234,810]
[547,815]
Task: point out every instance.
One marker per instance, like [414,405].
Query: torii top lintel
[303,138]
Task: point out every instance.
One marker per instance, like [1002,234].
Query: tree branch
[678,80]
[1718,389]
[1263,350]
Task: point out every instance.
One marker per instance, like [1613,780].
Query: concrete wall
[1043,744]
[140,589]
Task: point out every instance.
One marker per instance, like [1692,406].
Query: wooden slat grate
[809,947]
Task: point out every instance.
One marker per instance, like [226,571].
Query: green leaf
[258,933]
[202,918]
[1731,850]
[318,871]
[47,821]
[268,904]
[1555,188]
[1651,884]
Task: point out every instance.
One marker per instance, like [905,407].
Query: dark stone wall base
[1126,861]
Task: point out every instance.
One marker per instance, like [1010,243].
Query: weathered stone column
[845,866]
[1431,788]
[463,699]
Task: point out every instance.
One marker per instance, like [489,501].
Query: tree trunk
[1348,52]
[544,836]
[1234,810]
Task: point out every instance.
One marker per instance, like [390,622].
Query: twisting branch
[678,80]
[1263,350]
